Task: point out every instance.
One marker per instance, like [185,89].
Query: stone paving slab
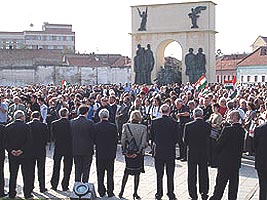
[248,182]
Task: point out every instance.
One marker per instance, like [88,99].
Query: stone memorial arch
[192,25]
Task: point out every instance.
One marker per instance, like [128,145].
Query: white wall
[73,75]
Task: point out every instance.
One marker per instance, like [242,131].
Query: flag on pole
[201,83]
[234,93]
[230,84]
[64,83]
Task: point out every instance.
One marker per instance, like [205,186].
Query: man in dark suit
[82,131]
[165,140]
[181,115]
[60,130]
[260,141]
[39,135]
[106,146]
[197,139]
[229,147]
[122,116]
[17,138]
[2,161]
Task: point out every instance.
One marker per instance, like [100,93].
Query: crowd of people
[211,127]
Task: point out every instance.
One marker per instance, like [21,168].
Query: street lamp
[219,53]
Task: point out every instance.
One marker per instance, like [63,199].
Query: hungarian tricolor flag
[230,84]
[64,83]
[201,83]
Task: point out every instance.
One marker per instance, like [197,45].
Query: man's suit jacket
[197,138]
[61,134]
[230,147]
[82,131]
[260,141]
[106,137]
[17,136]
[165,134]
[2,149]
[39,135]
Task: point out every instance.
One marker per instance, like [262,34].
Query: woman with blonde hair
[134,160]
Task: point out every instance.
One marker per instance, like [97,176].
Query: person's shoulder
[190,123]
[56,121]
[2,127]
[262,126]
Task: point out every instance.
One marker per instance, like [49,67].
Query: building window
[49,38]
[29,37]
[59,38]
[256,79]
[69,38]
[228,77]
[60,47]
[248,78]
[50,47]
[218,78]
[263,79]
[39,37]
[242,79]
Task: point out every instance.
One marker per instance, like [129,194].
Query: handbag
[214,133]
[131,146]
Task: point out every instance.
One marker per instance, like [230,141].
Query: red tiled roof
[258,57]
[97,60]
[229,62]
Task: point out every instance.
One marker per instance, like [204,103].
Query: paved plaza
[248,185]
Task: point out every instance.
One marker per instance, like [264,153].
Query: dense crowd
[119,103]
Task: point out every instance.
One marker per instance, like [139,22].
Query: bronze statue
[195,65]
[143,16]
[150,61]
[190,64]
[201,62]
[143,64]
[139,64]
[194,15]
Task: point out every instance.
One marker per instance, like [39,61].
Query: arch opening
[170,56]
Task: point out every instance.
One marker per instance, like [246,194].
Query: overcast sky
[102,26]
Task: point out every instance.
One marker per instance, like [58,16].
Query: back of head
[198,112]
[19,114]
[103,114]
[165,109]
[35,115]
[135,117]
[83,109]
[235,116]
[63,112]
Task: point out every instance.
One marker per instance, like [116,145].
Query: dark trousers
[82,167]
[2,178]
[262,174]
[40,162]
[14,164]
[102,166]
[212,153]
[203,178]
[170,165]
[67,166]
[223,176]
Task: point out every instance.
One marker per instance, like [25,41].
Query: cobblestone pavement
[248,182]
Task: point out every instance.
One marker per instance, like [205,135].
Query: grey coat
[139,132]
